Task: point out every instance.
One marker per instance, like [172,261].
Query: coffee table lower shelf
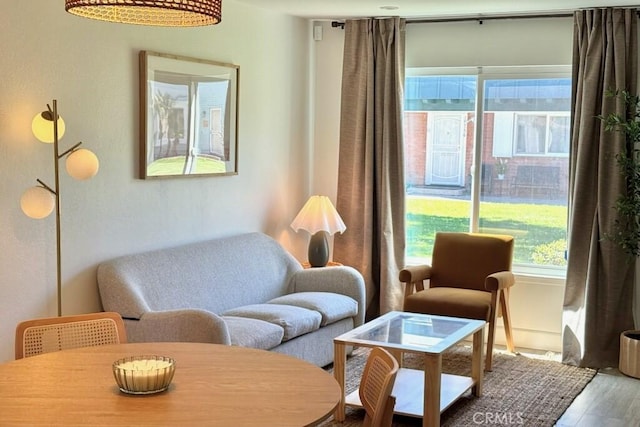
[409,388]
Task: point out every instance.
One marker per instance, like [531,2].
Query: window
[541,134]
[505,173]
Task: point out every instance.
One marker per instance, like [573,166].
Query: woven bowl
[144,374]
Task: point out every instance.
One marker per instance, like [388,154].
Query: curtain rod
[480,18]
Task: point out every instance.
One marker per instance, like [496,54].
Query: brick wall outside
[415,142]
[415,134]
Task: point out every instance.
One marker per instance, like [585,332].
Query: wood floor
[611,399]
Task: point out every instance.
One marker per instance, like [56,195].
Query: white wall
[327,93]
[91,68]
[536,303]
[498,42]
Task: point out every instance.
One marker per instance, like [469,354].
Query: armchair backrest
[464,260]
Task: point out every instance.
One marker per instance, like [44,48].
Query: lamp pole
[56,192]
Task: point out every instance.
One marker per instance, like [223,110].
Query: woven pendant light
[167,13]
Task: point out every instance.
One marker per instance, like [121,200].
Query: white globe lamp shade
[82,164]
[37,202]
[42,128]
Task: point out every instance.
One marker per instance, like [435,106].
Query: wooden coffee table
[418,393]
[213,385]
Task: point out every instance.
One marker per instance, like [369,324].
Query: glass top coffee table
[418,393]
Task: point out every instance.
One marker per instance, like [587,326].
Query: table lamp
[320,219]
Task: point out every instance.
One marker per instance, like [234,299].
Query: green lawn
[175,166]
[539,229]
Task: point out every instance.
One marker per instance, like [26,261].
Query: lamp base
[319,249]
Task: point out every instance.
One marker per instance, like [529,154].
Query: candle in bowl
[143,374]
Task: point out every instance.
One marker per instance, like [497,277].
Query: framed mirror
[188,116]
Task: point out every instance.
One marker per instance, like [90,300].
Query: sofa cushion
[331,306]
[295,321]
[254,333]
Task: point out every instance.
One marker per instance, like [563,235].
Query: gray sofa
[242,290]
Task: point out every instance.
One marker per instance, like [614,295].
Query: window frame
[547,133]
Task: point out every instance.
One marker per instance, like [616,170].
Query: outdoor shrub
[550,253]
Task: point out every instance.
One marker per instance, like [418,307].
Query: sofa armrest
[340,280]
[178,325]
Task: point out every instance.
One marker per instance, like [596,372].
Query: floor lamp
[39,201]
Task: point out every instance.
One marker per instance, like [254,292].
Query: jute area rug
[521,390]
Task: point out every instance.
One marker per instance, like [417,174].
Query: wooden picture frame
[188,116]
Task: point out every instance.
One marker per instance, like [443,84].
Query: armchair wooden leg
[506,318]
[489,356]
[492,330]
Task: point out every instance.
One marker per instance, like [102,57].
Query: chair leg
[492,330]
[387,419]
[506,318]
[489,356]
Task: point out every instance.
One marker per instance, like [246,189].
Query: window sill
[541,271]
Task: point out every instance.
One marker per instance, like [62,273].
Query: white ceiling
[336,9]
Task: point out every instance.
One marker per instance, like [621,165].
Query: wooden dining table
[213,385]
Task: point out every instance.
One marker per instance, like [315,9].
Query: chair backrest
[464,260]
[45,335]
[375,387]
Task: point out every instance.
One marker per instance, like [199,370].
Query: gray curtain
[371,165]
[599,289]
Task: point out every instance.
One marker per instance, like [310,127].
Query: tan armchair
[470,277]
